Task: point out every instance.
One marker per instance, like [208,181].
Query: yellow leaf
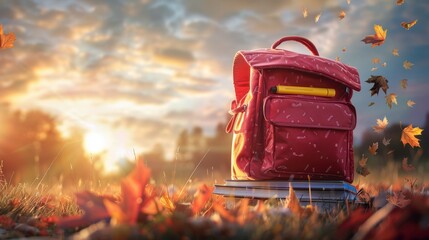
[391,98]
[342,15]
[410,103]
[404,83]
[378,38]
[407,65]
[337,58]
[373,148]
[317,17]
[395,52]
[408,25]
[305,12]
[409,136]
[381,125]
[348,2]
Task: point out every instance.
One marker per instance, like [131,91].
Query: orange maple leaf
[304,12]
[409,136]
[373,148]
[395,52]
[391,98]
[378,38]
[375,60]
[381,125]
[6,40]
[400,2]
[408,25]
[362,169]
[410,103]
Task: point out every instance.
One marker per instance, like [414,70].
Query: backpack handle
[303,41]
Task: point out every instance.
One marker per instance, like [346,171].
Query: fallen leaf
[405,166]
[6,222]
[317,17]
[398,199]
[378,38]
[305,12]
[362,169]
[201,197]
[400,2]
[391,98]
[408,25]
[410,103]
[409,136]
[381,125]
[371,104]
[373,148]
[395,52]
[407,65]
[292,202]
[342,15]
[94,210]
[6,40]
[375,60]
[379,82]
[386,141]
[404,83]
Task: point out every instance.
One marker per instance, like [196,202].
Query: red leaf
[202,196]
[93,207]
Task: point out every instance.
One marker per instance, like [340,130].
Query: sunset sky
[135,73]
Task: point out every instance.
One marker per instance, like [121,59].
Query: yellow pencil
[310,91]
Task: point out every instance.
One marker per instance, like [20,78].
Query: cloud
[174,57]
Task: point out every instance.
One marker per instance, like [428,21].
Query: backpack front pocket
[308,136]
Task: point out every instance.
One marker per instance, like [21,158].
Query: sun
[95,142]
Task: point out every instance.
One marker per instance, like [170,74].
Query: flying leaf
[344,49]
[391,98]
[384,64]
[375,60]
[6,40]
[371,104]
[337,59]
[379,82]
[378,38]
[373,148]
[342,15]
[404,83]
[305,12]
[407,65]
[317,17]
[362,169]
[395,52]
[374,69]
[386,141]
[410,103]
[408,25]
[407,167]
[381,125]
[400,2]
[409,136]
[348,2]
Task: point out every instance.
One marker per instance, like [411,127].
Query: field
[137,208]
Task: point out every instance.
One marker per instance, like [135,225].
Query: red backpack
[292,115]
